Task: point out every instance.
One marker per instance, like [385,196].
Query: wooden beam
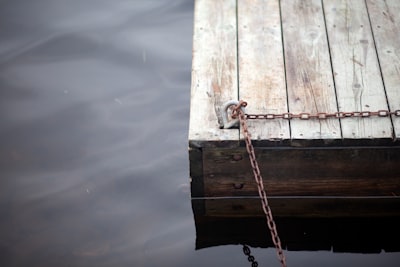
[196,172]
[296,207]
[356,171]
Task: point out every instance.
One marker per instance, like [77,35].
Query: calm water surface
[94,109]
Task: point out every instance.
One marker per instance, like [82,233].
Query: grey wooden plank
[385,21]
[261,67]
[358,81]
[214,72]
[308,69]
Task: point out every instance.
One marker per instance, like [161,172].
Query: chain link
[324,115]
[238,112]
[250,258]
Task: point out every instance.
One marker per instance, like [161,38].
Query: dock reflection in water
[356,235]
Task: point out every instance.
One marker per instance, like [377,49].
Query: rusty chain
[324,115]
[238,112]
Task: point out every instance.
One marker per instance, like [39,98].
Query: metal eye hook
[233,123]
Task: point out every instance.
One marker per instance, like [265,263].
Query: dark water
[94,109]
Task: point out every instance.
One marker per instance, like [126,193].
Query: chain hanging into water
[250,258]
[238,112]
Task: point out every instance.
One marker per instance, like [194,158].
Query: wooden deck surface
[297,56]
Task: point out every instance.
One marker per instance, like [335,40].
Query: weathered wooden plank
[261,67]
[224,185]
[385,20]
[337,171]
[358,81]
[303,207]
[214,72]
[308,69]
[196,172]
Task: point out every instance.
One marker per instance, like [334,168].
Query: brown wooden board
[354,171]
[299,207]
[196,172]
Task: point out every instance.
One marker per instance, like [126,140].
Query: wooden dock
[297,57]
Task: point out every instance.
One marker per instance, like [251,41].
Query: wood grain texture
[297,56]
[352,171]
[358,81]
[214,72]
[261,67]
[385,21]
[308,69]
[304,207]
[196,172]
